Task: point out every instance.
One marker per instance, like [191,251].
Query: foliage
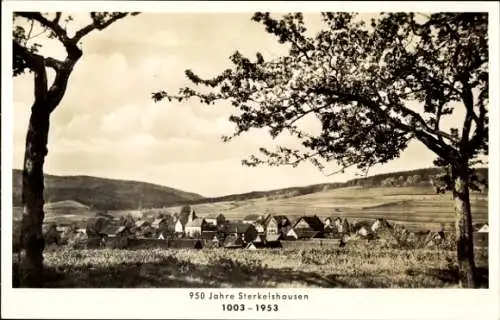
[52,236]
[184,214]
[358,81]
[97,225]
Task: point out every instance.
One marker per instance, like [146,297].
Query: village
[252,232]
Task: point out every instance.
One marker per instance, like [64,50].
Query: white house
[363,232]
[178,228]
[292,234]
[195,227]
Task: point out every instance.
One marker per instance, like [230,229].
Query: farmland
[415,207]
[363,265]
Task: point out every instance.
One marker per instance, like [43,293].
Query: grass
[364,265]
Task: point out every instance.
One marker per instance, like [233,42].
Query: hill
[105,194]
[415,207]
[411,178]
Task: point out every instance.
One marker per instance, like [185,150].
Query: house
[258,239]
[195,227]
[283,223]
[302,234]
[251,246]
[272,241]
[291,235]
[380,224]
[211,219]
[363,231]
[161,237]
[114,231]
[233,241]
[270,225]
[338,224]
[179,227]
[362,224]
[483,229]
[140,224]
[307,225]
[159,223]
[328,222]
[247,232]
[259,225]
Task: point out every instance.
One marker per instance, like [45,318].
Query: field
[415,207]
[363,265]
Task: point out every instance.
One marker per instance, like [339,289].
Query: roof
[313,221]
[238,227]
[140,223]
[158,221]
[233,241]
[363,224]
[258,238]
[306,234]
[195,223]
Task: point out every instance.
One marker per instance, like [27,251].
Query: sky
[108,126]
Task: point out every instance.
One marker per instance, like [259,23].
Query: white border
[175,303]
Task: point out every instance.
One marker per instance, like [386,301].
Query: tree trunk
[463,229]
[32,195]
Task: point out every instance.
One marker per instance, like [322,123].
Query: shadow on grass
[173,273]
[451,276]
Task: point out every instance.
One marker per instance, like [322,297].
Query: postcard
[235,160]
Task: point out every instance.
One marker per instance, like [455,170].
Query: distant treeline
[418,177]
[110,194]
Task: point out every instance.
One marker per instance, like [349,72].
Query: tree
[184,214]
[46,99]
[97,225]
[220,221]
[374,88]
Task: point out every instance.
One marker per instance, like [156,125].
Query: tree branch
[441,149]
[96,24]
[51,24]
[57,18]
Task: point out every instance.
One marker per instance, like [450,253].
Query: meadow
[358,265]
